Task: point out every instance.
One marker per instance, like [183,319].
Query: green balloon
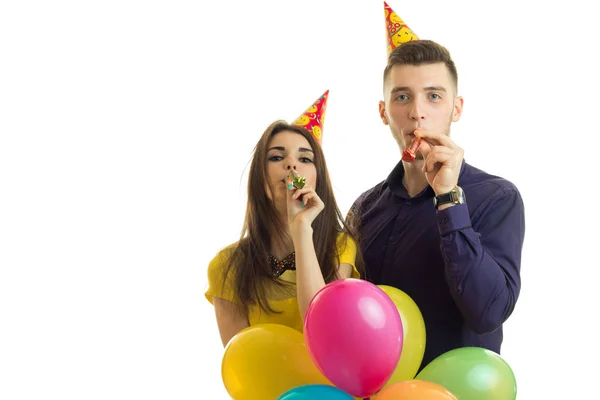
[472,373]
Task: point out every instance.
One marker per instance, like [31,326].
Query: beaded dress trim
[280,266]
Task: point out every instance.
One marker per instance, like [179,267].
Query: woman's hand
[303,206]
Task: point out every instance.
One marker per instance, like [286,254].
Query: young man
[446,233]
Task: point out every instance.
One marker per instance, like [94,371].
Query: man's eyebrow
[427,88]
[436,88]
[400,89]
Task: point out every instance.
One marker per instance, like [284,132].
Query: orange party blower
[409,154]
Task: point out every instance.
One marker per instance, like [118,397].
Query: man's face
[422,97]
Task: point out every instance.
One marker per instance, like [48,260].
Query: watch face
[461,195]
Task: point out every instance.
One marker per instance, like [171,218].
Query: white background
[126,130]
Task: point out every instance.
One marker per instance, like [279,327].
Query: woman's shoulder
[220,281]
[343,239]
[222,257]
[226,251]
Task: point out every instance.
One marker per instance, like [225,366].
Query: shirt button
[392,238]
[408,203]
[444,220]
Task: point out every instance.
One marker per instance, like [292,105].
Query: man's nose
[417,112]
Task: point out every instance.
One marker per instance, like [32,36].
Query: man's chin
[418,157]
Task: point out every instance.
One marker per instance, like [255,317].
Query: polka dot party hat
[313,118]
[397,32]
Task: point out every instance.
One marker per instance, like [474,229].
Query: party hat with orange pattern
[313,118]
[397,32]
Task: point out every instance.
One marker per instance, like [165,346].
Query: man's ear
[458,108]
[382,113]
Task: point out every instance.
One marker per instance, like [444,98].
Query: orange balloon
[415,390]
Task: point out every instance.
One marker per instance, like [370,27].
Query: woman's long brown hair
[249,262]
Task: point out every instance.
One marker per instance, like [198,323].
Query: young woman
[293,241]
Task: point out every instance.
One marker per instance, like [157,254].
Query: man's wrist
[441,191]
[445,206]
[452,197]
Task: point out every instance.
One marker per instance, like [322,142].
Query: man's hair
[420,52]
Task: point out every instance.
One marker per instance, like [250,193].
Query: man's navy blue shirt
[460,265]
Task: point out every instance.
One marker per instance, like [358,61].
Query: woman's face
[288,150]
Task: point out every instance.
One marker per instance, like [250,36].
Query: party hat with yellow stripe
[313,118]
[397,32]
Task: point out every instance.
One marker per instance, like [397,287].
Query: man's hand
[442,160]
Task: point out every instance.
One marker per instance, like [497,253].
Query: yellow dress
[281,299]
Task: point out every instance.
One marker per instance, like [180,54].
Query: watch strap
[446,198]
[452,197]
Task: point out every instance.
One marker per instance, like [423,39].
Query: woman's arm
[231,318]
[309,278]
[344,271]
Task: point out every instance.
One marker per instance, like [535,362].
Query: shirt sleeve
[216,285]
[347,253]
[483,262]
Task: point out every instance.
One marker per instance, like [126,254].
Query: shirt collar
[394,181]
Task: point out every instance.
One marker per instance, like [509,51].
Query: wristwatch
[455,196]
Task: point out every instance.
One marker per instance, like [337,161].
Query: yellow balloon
[264,361]
[413,327]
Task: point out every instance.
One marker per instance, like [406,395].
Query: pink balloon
[353,332]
